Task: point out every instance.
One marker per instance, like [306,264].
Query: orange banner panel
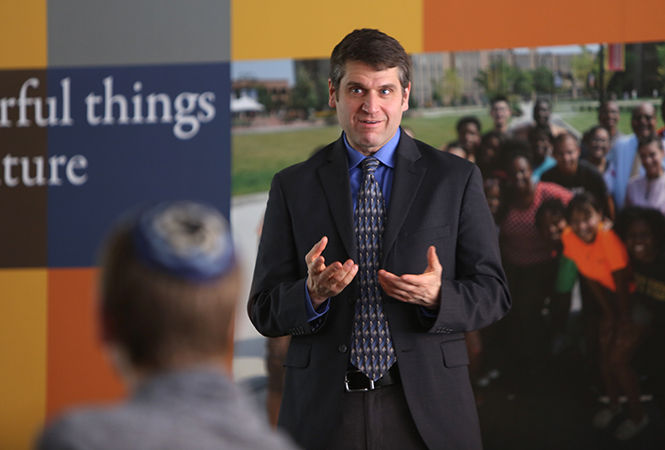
[303,29]
[515,23]
[78,370]
[23,34]
[22,356]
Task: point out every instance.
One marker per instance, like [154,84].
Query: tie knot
[369,164]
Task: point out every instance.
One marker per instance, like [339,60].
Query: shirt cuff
[313,314]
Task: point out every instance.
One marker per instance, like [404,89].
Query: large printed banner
[80,146]
[104,107]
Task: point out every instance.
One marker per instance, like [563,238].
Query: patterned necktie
[371,348]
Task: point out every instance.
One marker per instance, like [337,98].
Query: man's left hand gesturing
[422,289]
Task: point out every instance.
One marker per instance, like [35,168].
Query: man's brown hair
[374,48]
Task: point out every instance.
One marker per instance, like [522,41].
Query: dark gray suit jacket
[437,199]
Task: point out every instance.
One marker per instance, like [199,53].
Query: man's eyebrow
[354,84]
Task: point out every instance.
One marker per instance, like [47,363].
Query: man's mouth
[370,122]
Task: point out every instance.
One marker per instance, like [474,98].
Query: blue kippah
[185,239]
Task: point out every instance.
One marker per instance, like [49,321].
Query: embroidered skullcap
[185,239]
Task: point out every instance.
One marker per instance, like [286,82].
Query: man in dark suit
[377,358]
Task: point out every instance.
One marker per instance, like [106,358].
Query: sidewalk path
[246,215]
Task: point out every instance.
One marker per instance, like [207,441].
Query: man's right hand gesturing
[324,281]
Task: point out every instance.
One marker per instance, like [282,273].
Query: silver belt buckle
[364,389]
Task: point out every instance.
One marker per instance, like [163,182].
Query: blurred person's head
[488,151]
[492,188]
[608,116]
[584,216]
[597,142]
[456,149]
[468,133]
[169,287]
[541,112]
[567,153]
[541,142]
[643,232]
[500,113]
[651,154]
[551,220]
[519,166]
[643,120]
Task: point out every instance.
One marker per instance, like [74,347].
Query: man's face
[500,113]
[608,115]
[369,105]
[644,120]
[469,137]
[541,114]
[599,144]
[567,154]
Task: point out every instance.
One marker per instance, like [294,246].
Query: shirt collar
[386,154]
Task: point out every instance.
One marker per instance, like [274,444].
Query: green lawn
[585,120]
[257,157]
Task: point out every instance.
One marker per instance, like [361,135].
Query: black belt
[356,381]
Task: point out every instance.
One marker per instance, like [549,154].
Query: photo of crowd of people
[573,175]
[581,229]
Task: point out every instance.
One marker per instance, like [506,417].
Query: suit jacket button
[342,348]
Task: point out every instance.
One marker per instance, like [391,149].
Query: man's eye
[385,91]
[356,90]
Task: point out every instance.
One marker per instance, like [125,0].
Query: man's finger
[329,272]
[350,275]
[316,250]
[433,264]
[316,266]
[404,282]
[391,281]
[344,269]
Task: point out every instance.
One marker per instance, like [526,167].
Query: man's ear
[405,97]
[332,93]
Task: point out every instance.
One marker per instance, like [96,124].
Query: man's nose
[371,103]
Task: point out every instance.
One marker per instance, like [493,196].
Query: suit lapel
[334,176]
[406,181]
